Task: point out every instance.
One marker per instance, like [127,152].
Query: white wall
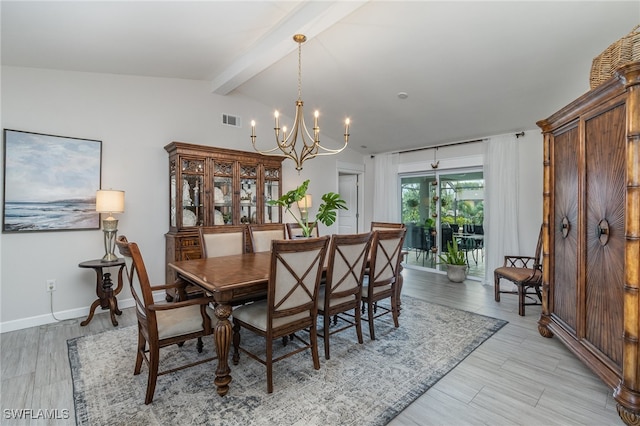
[134,117]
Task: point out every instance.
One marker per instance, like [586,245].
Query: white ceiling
[471,69]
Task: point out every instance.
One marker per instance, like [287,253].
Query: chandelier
[286,142]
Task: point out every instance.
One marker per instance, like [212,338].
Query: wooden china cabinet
[211,186]
[591,258]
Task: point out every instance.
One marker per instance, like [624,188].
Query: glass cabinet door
[248,193]
[173,195]
[271,192]
[223,193]
[190,192]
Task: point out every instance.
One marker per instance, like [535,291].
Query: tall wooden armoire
[591,282]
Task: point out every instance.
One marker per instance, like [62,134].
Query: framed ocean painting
[50,182]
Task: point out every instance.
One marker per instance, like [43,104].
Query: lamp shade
[305,203]
[109,201]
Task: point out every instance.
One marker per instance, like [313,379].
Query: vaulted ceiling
[470,69]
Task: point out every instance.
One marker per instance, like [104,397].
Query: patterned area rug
[366,384]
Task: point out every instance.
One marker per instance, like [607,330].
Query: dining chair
[525,272]
[291,305]
[218,241]
[261,236]
[161,324]
[294,230]
[227,240]
[379,226]
[383,278]
[342,292]
[222,240]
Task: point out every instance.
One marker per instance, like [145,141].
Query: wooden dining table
[230,280]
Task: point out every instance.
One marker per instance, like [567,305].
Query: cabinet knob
[565,227]
[602,231]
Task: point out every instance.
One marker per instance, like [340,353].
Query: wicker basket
[623,51]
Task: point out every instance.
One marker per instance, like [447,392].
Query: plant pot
[457,273]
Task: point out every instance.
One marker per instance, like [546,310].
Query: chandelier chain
[299,70]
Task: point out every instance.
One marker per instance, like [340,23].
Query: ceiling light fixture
[287,143]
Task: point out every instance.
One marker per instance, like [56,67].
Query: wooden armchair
[291,305]
[383,279]
[526,273]
[161,324]
[342,292]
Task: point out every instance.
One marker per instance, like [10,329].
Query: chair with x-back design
[347,261]
[383,279]
[291,305]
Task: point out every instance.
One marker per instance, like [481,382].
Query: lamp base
[109,257]
[110,229]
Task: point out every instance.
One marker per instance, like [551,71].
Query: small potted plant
[456,262]
[331,202]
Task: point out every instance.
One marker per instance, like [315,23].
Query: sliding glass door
[438,207]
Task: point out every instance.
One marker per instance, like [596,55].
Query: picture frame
[50,182]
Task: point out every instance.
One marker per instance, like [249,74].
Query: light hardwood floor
[516,377]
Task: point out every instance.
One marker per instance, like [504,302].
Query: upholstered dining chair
[291,305]
[383,277]
[222,240]
[342,292]
[262,235]
[294,230]
[218,241]
[161,324]
[525,272]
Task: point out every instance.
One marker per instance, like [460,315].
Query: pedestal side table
[104,288]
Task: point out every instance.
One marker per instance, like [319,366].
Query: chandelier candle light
[109,201]
[287,143]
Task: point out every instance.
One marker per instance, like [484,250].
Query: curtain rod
[448,144]
[440,146]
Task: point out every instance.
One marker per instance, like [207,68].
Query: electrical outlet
[51,285]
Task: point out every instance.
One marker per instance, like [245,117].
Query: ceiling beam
[309,18]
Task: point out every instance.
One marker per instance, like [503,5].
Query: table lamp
[304,205]
[109,201]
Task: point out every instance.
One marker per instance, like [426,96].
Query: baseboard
[83,312]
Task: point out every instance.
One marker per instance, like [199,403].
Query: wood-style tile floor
[516,377]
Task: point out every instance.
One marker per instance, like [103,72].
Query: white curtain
[385,195]
[500,201]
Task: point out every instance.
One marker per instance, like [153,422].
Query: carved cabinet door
[564,295]
[604,231]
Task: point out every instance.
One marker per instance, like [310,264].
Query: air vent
[231,120]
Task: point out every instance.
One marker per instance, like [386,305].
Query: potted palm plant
[331,202]
[456,262]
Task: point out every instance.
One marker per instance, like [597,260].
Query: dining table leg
[222,339]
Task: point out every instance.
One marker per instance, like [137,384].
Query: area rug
[366,384]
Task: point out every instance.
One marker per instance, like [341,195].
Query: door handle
[565,226]
[602,231]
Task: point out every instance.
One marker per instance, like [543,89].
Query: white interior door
[348,189]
